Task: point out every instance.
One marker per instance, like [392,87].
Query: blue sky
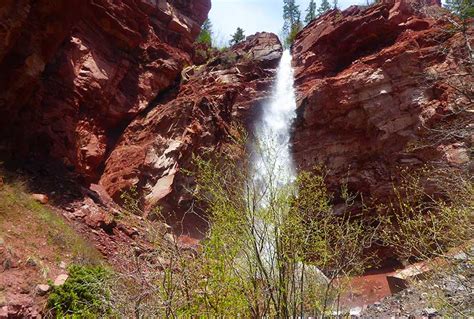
[254,16]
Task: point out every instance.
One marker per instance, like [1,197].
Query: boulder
[60,280]
[40,198]
[42,290]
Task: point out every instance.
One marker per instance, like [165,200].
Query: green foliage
[434,225]
[292,35]
[205,37]
[292,20]
[279,251]
[422,225]
[291,14]
[463,8]
[82,295]
[267,270]
[131,201]
[324,7]
[237,37]
[206,33]
[310,12]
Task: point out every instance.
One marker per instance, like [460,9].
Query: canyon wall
[108,90]
[197,119]
[75,73]
[374,88]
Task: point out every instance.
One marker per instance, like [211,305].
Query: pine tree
[206,33]
[311,12]
[463,8]
[293,32]
[291,14]
[238,36]
[207,26]
[334,4]
[292,18]
[324,7]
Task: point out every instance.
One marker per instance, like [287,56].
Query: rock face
[75,73]
[195,119]
[371,84]
[100,87]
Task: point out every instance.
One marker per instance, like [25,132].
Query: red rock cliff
[75,73]
[371,84]
[196,119]
[102,87]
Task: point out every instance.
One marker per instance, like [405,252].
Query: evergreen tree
[324,7]
[463,8]
[334,4]
[206,33]
[310,12]
[238,36]
[291,14]
[292,18]
[293,32]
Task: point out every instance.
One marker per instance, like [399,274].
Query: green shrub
[82,295]
[205,37]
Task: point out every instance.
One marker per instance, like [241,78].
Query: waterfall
[273,163]
[269,194]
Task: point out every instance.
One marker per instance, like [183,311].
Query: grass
[31,222]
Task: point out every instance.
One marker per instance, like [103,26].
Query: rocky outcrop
[102,86]
[75,73]
[372,84]
[196,119]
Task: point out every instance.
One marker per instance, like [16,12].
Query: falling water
[272,182]
[273,163]
[273,168]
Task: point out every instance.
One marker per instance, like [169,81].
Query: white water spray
[272,187]
[273,163]
[273,168]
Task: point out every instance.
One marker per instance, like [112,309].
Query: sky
[254,16]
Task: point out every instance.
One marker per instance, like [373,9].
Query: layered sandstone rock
[372,84]
[196,119]
[74,73]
